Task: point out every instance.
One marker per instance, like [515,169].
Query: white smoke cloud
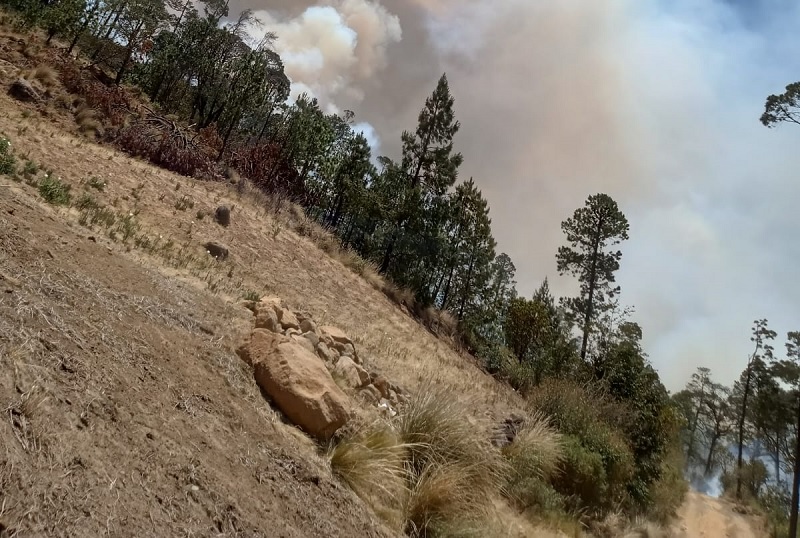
[331,51]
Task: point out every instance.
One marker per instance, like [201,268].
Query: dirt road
[703,516]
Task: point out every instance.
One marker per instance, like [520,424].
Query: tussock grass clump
[432,460]
[371,461]
[45,75]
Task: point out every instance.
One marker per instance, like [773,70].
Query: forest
[216,103]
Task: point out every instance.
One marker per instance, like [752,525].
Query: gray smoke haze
[655,103]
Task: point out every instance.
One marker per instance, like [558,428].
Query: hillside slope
[126,410]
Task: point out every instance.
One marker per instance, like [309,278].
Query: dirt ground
[702,516]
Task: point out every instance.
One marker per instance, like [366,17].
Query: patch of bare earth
[702,516]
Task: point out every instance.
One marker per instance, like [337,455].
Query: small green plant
[200,214]
[30,169]
[127,227]
[54,191]
[251,296]
[96,183]
[8,163]
[184,203]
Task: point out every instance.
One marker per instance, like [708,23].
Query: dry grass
[433,460]
[371,461]
[45,75]
[537,450]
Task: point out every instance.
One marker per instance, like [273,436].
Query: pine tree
[591,231]
[429,167]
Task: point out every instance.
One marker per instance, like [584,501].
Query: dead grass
[45,75]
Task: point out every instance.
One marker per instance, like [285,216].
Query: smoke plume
[654,103]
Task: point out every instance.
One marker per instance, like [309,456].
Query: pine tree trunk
[739,461]
[796,482]
[592,283]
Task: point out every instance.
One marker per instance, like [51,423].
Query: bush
[54,191]
[8,163]
[599,465]
[534,457]
[754,478]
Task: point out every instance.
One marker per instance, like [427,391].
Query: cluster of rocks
[298,364]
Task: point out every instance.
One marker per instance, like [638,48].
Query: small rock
[312,337]
[336,333]
[22,90]
[289,321]
[371,394]
[307,325]
[382,385]
[216,250]
[346,370]
[223,215]
[92,238]
[325,353]
[393,397]
[292,332]
[266,318]
[303,342]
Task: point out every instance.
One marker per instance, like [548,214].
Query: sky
[655,103]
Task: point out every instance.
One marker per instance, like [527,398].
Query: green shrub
[8,163]
[599,466]
[54,191]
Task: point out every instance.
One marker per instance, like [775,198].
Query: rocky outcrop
[298,382]
[332,351]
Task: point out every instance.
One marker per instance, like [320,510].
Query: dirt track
[704,516]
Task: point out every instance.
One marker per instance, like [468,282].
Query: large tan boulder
[298,382]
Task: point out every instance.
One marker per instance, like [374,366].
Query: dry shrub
[441,322]
[400,296]
[45,75]
[535,456]
[111,101]
[268,169]
[165,144]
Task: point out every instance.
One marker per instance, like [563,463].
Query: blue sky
[655,103]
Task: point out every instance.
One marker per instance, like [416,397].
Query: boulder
[216,250]
[298,383]
[312,337]
[223,215]
[363,374]
[307,325]
[345,349]
[266,318]
[347,371]
[335,333]
[22,90]
[289,320]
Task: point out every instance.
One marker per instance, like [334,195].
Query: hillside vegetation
[120,329]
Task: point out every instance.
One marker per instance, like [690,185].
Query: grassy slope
[148,368]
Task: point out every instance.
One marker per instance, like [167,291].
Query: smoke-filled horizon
[654,103]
